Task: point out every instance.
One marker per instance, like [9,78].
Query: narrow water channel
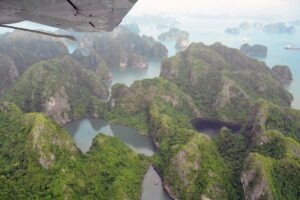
[152,187]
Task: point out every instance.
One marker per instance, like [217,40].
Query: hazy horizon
[275,8]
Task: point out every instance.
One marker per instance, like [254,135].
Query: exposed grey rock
[283,72]
[173,34]
[279,28]
[26,49]
[256,51]
[8,73]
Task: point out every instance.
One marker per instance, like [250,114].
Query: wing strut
[70,37]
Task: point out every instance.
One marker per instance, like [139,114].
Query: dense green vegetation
[223,82]
[284,120]
[131,105]
[277,151]
[275,179]
[260,162]
[40,161]
[62,88]
[197,169]
[25,48]
[233,149]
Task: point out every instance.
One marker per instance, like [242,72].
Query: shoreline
[165,186]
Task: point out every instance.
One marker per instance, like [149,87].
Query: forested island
[45,90]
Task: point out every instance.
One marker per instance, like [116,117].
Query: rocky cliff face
[182,43]
[26,49]
[273,141]
[126,49]
[181,38]
[198,171]
[43,155]
[130,105]
[8,73]
[61,88]
[173,34]
[93,62]
[283,72]
[256,51]
[254,178]
[223,82]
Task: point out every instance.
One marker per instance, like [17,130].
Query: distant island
[256,51]
[234,31]
[181,37]
[173,34]
[283,73]
[245,26]
[279,28]
[123,47]
[46,87]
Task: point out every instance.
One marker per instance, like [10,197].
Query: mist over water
[211,30]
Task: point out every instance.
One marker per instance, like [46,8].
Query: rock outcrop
[61,88]
[126,49]
[255,178]
[8,73]
[42,155]
[121,48]
[197,169]
[272,170]
[25,49]
[173,34]
[223,82]
[279,28]
[93,62]
[283,72]
[255,51]
[182,43]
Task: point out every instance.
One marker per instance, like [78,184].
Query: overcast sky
[234,7]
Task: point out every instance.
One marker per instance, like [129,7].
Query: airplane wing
[77,15]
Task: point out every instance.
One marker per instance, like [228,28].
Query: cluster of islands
[279,28]
[67,132]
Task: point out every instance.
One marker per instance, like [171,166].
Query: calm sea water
[210,31]
[85,130]
[128,75]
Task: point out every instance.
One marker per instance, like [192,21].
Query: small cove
[85,130]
